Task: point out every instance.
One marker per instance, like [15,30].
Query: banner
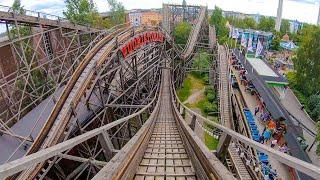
[243,40]
[140,40]
[250,48]
[259,49]
[231,29]
[235,33]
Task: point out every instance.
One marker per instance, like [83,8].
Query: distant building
[151,17]
[135,18]
[256,17]
[234,14]
[295,26]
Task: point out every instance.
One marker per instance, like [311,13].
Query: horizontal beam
[80,159]
[125,105]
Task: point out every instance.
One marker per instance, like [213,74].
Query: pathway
[292,104]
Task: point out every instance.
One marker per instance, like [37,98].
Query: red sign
[141,40]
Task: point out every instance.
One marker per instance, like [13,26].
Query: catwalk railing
[34,17]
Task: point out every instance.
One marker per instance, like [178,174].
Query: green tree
[249,23]
[307,63]
[181,32]
[80,11]
[17,7]
[275,44]
[117,12]
[266,23]
[219,22]
[285,26]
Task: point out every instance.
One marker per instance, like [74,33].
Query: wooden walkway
[165,156]
[225,114]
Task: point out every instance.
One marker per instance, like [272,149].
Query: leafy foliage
[80,11]
[219,22]
[285,25]
[307,63]
[117,12]
[17,8]
[246,23]
[202,61]
[275,44]
[181,32]
[266,23]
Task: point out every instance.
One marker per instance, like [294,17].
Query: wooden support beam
[223,145]
[106,145]
[80,159]
[193,122]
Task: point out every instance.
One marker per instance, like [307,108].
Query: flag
[230,31]
[243,40]
[259,49]
[235,33]
[250,43]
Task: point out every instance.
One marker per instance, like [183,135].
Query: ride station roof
[264,70]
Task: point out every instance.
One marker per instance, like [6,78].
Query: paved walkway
[36,117]
[194,97]
[292,104]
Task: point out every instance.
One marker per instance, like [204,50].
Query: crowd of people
[273,130]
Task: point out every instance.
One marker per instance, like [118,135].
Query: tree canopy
[219,22]
[266,23]
[307,62]
[17,7]
[285,26]
[181,32]
[85,12]
[81,11]
[117,12]
[246,23]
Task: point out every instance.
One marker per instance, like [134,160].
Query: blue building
[264,37]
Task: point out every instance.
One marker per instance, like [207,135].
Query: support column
[279,16]
[319,16]
[193,122]
[106,145]
[223,145]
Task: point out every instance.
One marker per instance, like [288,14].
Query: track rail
[225,110]
[165,148]
[135,148]
[55,128]
[187,52]
[37,18]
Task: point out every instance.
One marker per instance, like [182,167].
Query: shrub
[211,97]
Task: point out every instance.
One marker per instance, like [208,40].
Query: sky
[302,10]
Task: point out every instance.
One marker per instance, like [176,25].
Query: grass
[210,141]
[190,84]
